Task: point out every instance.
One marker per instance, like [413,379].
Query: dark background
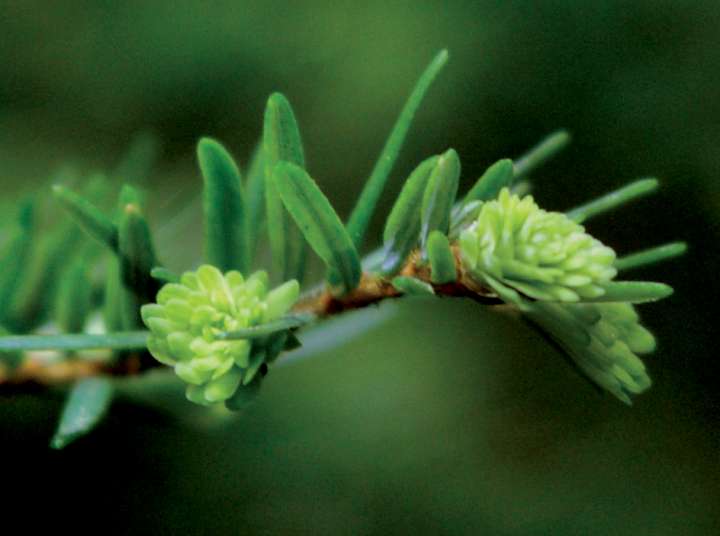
[447,418]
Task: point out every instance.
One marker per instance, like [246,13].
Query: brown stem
[372,289]
[36,372]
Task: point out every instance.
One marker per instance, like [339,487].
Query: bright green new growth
[603,340]
[219,331]
[190,319]
[543,255]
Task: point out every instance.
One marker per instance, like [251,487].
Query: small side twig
[373,288]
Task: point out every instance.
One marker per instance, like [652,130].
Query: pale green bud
[191,373]
[179,345]
[158,347]
[196,394]
[222,388]
[603,339]
[543,255]
[280,300]
[187,317]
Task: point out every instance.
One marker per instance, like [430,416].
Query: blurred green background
[447,419]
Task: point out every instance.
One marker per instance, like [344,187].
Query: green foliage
[137,258]
[633,292]
[74,297]
[164,275]
[365,206]
[255,198]
[412,286]
[651,256]
[117,299]
[221,326]
[85,406]
[35,296]
[498,176]
[90,218]
[15,256]
[613,200]
[439,196]
[402,229]
[541,153]
[227,240]
[281,143]
[462,215]
[136,249]
[285,323]
[133,340]
[320,225]
[442,260]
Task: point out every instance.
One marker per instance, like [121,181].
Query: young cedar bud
[187,317]
[543,255]
[610,337]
